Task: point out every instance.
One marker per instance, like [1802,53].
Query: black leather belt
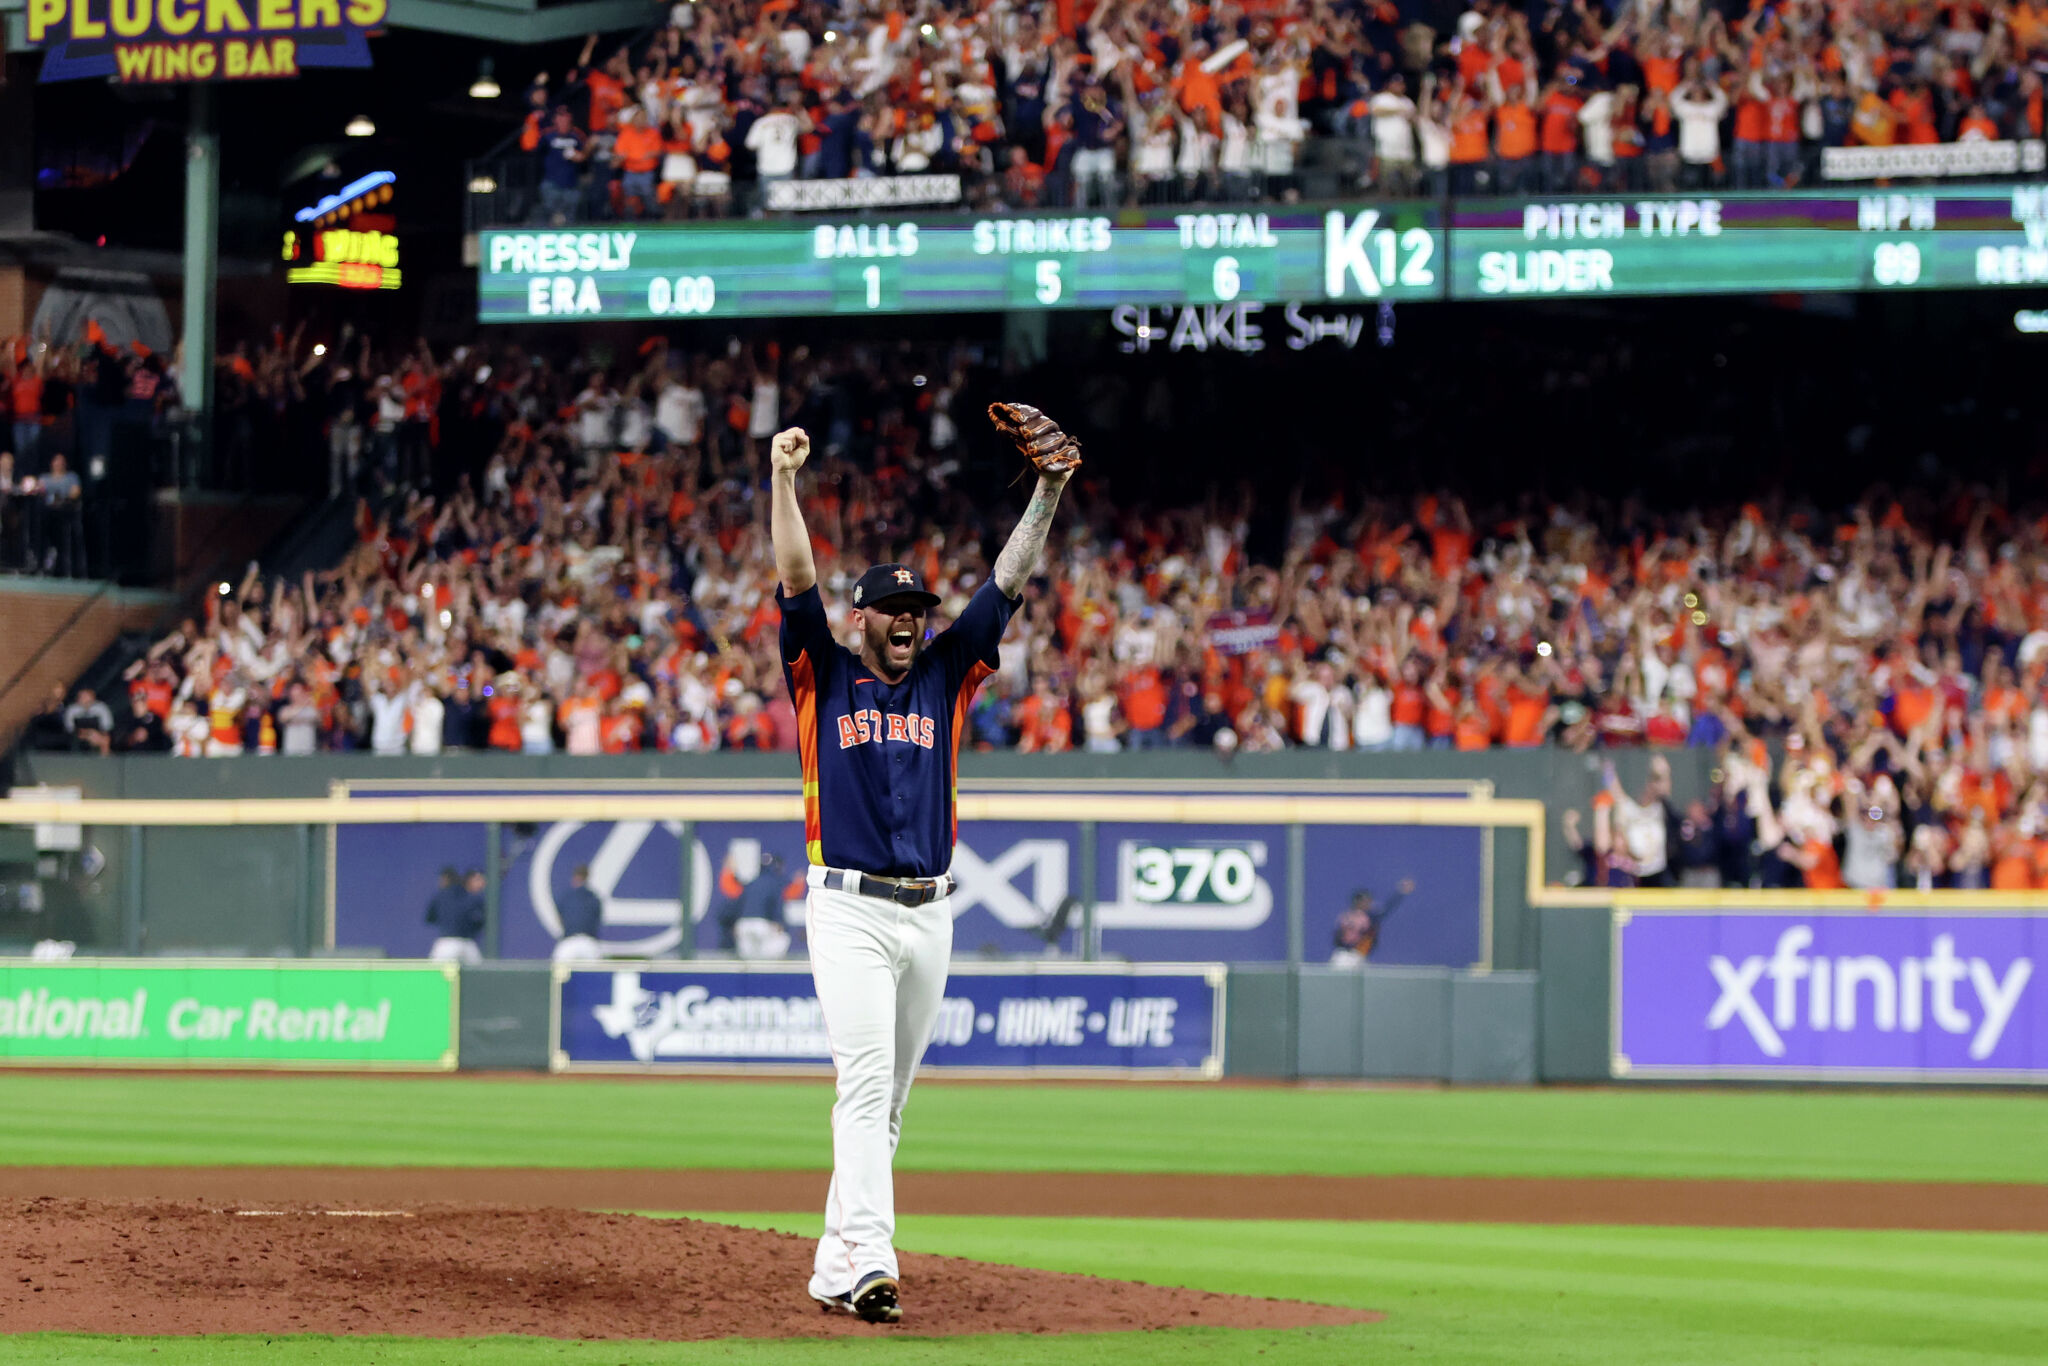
[904,891]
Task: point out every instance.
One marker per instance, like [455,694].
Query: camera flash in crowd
[223,589]
[1543,648]
[319,348]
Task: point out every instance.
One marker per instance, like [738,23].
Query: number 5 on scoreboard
[1049,287]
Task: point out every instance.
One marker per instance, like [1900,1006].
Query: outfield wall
[266,889]
[1574,986]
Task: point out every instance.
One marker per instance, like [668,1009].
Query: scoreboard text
[1794,241]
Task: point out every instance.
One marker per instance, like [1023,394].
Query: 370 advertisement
[1831,993]
[1164,892]
[1070,1018]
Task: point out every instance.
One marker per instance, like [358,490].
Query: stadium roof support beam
[521,21]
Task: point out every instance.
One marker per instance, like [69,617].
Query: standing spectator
[24,387]
[1641,825]
[389,715]
[1393,138]
[563,151]
[1559,137]
[1698,107]
[1095,127]
[428,715]
[638,148]
[1596,139]
[1660,131]
[1515,141]
[89,722]
[63,521]
[1471,144]
[773,141]
[298,722]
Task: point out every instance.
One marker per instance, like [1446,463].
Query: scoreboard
[1618,244]
[961,263]
[1969,238]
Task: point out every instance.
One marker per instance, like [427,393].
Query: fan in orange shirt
[1470,119]
[1045,725]
[1514,142]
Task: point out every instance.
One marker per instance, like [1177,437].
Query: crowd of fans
[64,406]
[1107,101]
[597,578]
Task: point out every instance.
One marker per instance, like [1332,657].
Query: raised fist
[788,451]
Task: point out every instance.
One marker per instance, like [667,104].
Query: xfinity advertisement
[1832,994]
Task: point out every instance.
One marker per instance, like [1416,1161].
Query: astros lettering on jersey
[881,760]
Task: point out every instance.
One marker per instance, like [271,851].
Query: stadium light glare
[485,87]
[483,184]
[361,127]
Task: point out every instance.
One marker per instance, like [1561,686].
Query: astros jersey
[880,760]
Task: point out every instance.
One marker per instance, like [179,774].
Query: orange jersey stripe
[804,693]
[975,673]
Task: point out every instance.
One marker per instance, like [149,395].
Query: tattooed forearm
[1020,556]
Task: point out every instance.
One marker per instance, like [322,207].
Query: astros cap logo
[904,576]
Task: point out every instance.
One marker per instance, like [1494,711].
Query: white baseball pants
[880,970]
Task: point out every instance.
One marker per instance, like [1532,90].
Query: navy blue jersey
[881,761]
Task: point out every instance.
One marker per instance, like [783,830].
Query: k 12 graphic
[1166,1021]
[1851,995]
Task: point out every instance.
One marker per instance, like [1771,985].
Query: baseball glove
[1038,437]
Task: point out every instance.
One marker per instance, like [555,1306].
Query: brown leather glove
[1038,437]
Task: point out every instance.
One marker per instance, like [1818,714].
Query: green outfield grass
[588,1122]
[1454,1294]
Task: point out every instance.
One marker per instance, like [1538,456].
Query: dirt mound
[449,1271]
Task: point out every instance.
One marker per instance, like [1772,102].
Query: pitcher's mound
[463,1271]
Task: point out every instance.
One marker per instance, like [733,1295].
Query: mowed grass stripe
[1180,1347]
[1509,1293]
[144,1120]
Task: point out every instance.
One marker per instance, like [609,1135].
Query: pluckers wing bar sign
[147,42]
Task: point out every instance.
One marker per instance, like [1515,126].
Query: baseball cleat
[874,1300]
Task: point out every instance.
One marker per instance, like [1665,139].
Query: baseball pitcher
[878,734]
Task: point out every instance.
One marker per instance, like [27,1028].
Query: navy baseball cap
[892,581]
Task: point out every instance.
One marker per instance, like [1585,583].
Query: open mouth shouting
[895,630]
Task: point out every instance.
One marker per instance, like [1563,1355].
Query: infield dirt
[164,1267]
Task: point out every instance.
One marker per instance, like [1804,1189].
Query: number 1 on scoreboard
[873,275]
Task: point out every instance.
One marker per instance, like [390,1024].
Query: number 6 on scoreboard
[1048,282]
